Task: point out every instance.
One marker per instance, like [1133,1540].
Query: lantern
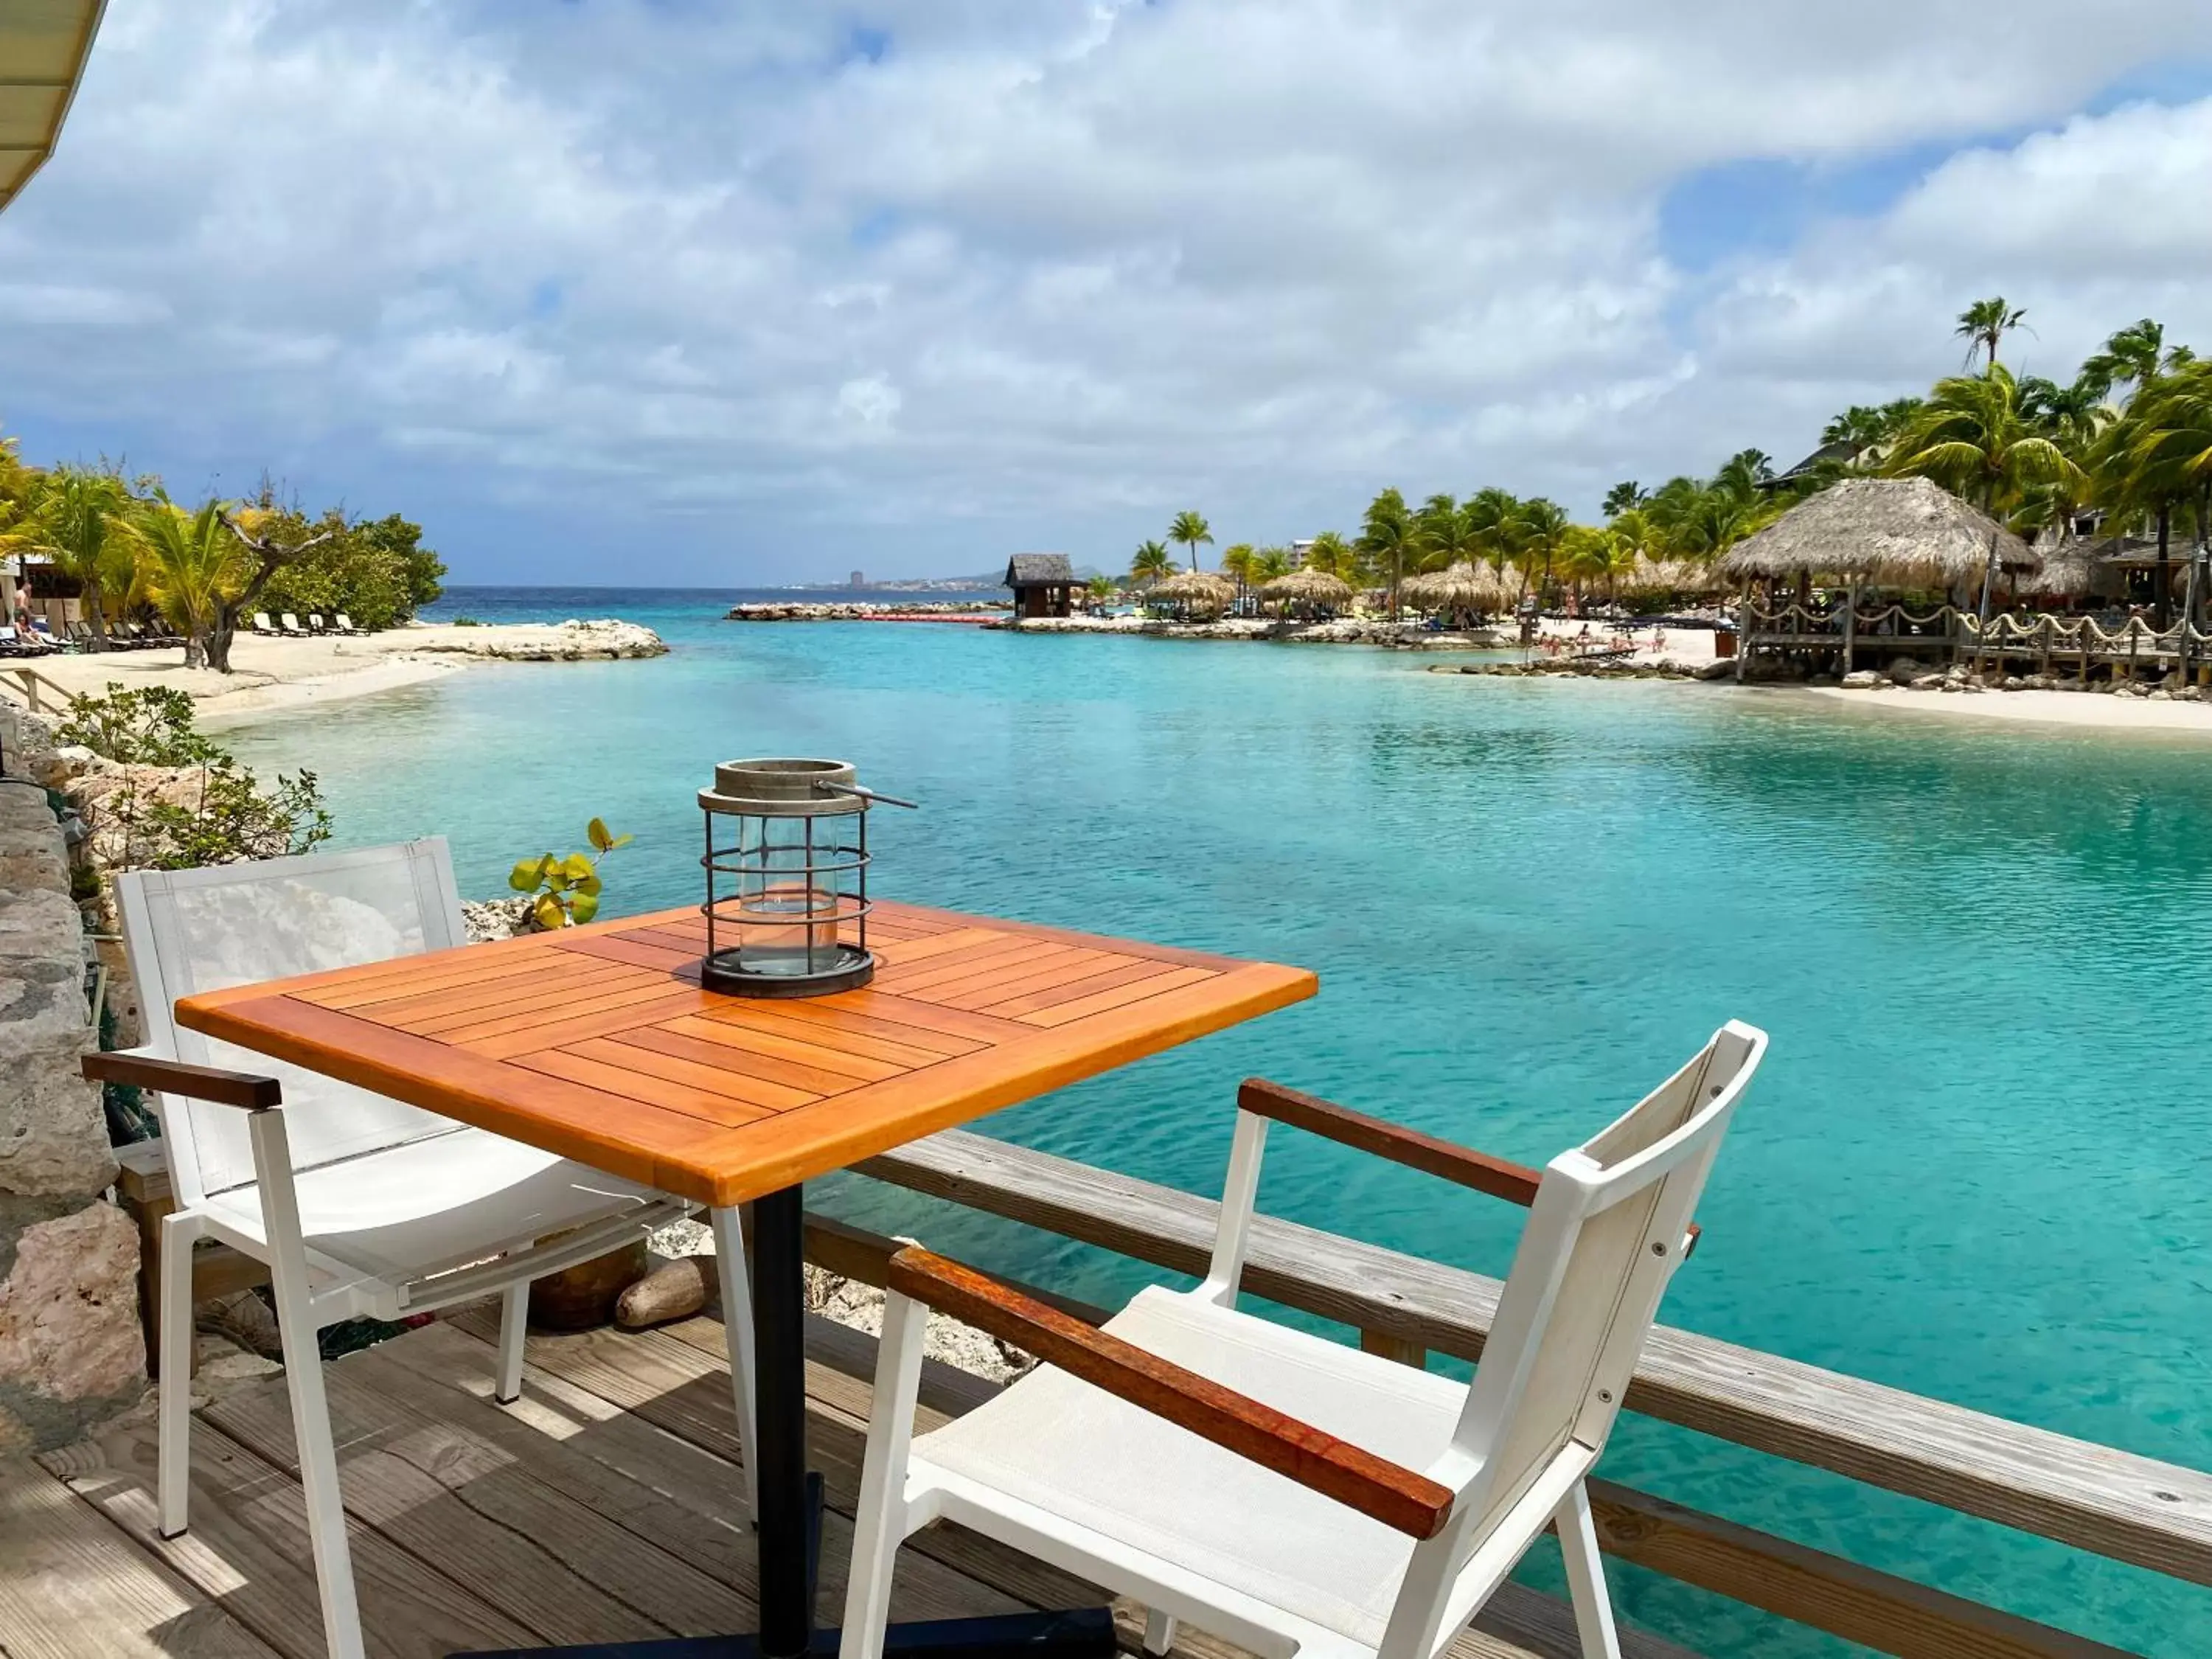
[787,865]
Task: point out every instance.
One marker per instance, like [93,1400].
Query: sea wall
[71,1354]
[603,637]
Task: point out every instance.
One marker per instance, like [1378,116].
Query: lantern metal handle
[869,795]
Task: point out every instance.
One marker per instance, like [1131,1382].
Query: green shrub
[227,816]
[565,888]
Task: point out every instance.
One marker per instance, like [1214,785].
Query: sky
[671,292]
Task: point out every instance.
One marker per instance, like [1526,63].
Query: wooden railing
[2111,1503]
[24,684]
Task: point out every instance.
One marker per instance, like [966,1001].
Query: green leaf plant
[564,888]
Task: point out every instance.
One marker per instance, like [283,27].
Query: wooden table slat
[598,1043]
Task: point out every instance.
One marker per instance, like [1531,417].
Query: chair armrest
[1516,1184]
[1399,1498]
[243,1090]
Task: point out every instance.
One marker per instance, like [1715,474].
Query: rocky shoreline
[1409,636]
[857,611]
[602,639]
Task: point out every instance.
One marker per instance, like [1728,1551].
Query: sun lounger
[292,629]
[316,625]
[263,625]
[346,625]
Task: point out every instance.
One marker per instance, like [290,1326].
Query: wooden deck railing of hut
[2050,642]
[2109,1503]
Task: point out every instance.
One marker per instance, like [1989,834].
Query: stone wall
[71,1354]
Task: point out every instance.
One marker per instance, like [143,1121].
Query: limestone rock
[1930,683]
[244,1318]
[676,1291]
[861,1306]
[1903,671]
[1863,679]
[1720,668]
[493,919]
[71,1355]
[570,641]
[2159,695]
[53,1137]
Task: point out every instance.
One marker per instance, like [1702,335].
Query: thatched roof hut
[1310,590]
[1194,591]
[1895,532]
[1649,575]
[1463,587]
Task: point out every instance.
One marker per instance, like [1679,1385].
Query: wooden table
[598,1044]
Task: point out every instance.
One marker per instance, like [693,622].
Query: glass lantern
[787,865]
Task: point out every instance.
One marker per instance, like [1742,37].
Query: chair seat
[407,1212]
[1078,1453]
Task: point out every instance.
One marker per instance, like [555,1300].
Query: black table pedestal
[790,1518]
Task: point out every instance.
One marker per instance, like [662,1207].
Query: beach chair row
[37,639]
[286,626]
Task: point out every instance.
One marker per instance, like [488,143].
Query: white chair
[291,626]
[1282,1492]
[359,1204]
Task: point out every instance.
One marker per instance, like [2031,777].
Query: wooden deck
[603,1506]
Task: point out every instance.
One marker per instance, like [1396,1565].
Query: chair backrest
[291,623]
[192,931]
[345,623]
[261,620]
[1603,1238]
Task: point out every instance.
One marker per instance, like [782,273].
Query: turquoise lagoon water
[1974,1166]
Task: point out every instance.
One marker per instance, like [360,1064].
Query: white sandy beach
[273,674]
[2077,710]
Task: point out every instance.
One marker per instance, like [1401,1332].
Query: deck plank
[247,1552]
[491,1524]
[76,1587]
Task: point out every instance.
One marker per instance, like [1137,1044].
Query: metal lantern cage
[787,865]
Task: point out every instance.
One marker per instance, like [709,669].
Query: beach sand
[273,674]
[2077,710]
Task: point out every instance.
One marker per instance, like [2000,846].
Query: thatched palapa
[1900,532]
[1463,587]
[1194,590]
[1308,591]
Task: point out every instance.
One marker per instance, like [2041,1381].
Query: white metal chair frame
[312,1289]
[1609,1222]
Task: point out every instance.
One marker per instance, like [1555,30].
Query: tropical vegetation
[2125,445]
[129,550]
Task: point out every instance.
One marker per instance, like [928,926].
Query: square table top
[598,1043]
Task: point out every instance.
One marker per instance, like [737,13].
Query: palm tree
[1151,563]
[1333,556]
[1973,438]
[1238,561]
[1494,526]
[2159,457]
[1190,528]
[1625,496]
[1544,525]
[1387,534]
[193,564]
[78,519]
[1271,563]
[1101,589]
[1599,556]
[1985,323]
[1444,534]
[2135,357]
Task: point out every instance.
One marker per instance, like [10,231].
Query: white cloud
[1043,272]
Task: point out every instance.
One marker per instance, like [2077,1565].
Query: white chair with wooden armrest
[358,1204]
[1282,1492]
